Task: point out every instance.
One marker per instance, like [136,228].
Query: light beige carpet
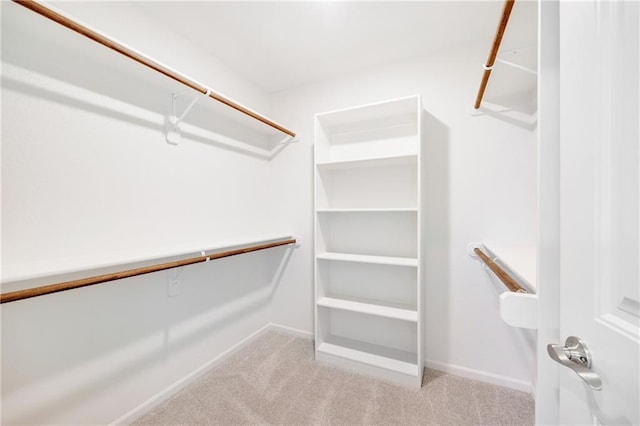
[274,380]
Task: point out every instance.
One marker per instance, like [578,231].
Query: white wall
[88,179]
[480,185]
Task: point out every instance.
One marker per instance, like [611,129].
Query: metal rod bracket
[477,251]
[172,134]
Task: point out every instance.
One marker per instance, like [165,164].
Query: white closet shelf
[369,162]
[98,259]
[369,308]
[376,112]
[371,210]
[361,258]
[375,355]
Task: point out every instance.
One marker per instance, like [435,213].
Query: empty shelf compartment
[377,234]
[372,283]
[387,127]
[391,183]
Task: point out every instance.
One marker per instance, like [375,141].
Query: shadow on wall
[104,107]
[436,238]
[518,109]
[62,350]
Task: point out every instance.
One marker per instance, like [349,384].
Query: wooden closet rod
[140,58]
[509,282]
[84,282]
[506,12]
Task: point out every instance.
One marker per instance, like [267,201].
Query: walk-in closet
[320,212]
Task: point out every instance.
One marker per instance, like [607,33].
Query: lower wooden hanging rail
[506,279]
[84,282]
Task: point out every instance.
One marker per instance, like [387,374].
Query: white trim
[482,376]
[177,386]
[290,330]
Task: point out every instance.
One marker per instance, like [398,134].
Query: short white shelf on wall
[515,278]
[368,313]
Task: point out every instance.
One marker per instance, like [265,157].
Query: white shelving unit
[368,309]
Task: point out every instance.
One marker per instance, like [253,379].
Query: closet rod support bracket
[173,121]
[174,283]
[472,254]
[471,247]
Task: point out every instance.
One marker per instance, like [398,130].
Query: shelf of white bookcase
[369,308]
[362,258]
[369,162]
[371,210]
[370,354]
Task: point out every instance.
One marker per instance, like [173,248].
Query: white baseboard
[482,376]
[292,331]
[174,388]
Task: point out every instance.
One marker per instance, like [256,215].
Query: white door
[600,207]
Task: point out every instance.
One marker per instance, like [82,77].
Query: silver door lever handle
[575,355]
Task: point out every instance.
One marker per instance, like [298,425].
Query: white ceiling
[278,44]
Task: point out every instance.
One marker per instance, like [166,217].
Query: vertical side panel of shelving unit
[319,139]
[420,244]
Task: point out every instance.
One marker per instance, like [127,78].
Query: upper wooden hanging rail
[506,279]
[84,282]
[144,60]
[506,12]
